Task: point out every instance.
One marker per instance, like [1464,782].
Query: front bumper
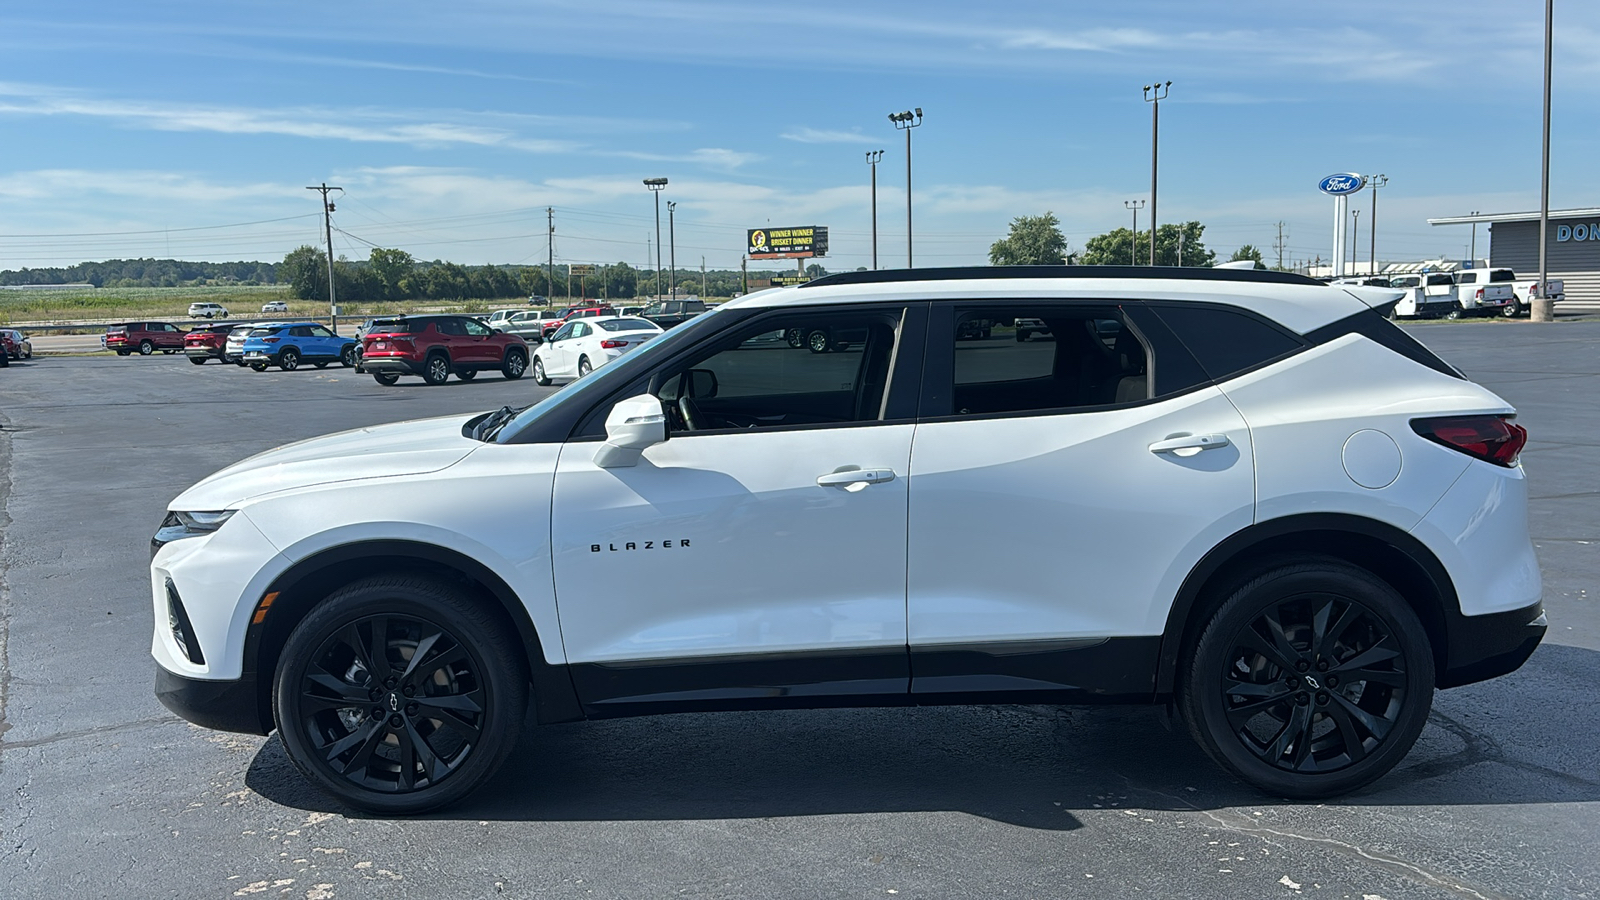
[1488,646]
[222,705]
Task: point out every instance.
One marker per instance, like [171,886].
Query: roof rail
[966,273]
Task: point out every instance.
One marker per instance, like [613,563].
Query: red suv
[145,337]
[576,312]
[206,342]
[436,347]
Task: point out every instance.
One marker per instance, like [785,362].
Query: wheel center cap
[1310,681]
[394,702]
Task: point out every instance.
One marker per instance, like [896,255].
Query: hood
[382,451]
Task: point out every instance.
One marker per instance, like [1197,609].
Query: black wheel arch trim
[556,699]
[1462,651]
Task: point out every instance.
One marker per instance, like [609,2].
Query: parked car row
[1456,295]
[13,345]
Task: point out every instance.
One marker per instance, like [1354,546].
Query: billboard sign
[800,242]
[581,269]
[787,280]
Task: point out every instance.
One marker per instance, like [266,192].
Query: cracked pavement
[103,793]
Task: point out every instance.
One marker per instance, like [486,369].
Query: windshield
[627,325]
[614,374]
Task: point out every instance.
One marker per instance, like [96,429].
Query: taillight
[1494,439]
[612,344]
[1478,295]
[270,340]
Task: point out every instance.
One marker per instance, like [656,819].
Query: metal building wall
[1515,245]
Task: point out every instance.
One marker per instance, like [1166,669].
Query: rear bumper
[1488,646]
[396,365]
[203,352]
[222,705]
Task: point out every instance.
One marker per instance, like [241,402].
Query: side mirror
[700,384]
[632,426]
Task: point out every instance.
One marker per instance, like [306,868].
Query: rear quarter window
[1227,341]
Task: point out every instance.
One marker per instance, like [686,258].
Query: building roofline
[966,273]
[1586,213]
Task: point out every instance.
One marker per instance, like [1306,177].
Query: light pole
[903,121]
[1375,182]
[672,247]
[1154,94]
[872,160]
[1472,249]
[1543,308]
[655,185]
[1134,205]
[1355,240]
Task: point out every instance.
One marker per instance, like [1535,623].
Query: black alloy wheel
[387,379]
[1310,680]
[437,369]
[399,694]
[514,364]
[818,341]
[583,367]
[289,359]
[795,337]
[467,374]
[539,377]
[146,348]
[347,356]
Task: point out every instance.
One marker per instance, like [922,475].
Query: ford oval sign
[1342,183]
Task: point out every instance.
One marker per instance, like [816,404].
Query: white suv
[207,311]
[1245,495]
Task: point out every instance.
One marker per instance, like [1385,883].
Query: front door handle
[1189,444]
[855,479]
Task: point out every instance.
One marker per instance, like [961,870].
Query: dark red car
[576,312]
[144,338]
[435,347]
[206,342]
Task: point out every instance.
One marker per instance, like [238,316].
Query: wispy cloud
[823,136]
[713,157]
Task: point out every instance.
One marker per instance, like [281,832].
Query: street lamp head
[919,112]
[655,184]
[672,205]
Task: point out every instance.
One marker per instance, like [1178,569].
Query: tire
[583,367]
[198,360]
[342,693]
[348,356]
[514,365]
[321,363]
[288,359]
[1511,310]
[1022,336]
[146,348]
[467,374]
[387,379]
[436,370]
[986,332]
[539,377]
[818,341]
[795,337]
[123,352]
[1275,713]
[258,367]
[1455,313]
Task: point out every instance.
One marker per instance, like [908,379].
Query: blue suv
[291,343]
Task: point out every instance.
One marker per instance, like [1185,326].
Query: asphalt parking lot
[104,793]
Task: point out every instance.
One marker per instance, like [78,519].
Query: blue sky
[139,129]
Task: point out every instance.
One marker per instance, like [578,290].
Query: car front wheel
[1310,680]
[514,365]
[437,370]
[539,377]
[399,694]
[347,356]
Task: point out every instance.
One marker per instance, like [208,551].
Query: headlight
[179,525]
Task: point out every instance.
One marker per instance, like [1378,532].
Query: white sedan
[583,345]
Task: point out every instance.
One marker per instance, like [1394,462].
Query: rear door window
[1227,340]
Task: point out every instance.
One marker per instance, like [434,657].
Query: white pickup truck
[1485,292]
[1426,295]
[1528,291]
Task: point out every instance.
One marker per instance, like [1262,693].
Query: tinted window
[1438,279]
[627,325]
[395,326]
[1499,275]
[451,326]
[476,328]
[300,331]
[1044,357]
[263,332]
[1467,278]
[563,332]
[1227,341]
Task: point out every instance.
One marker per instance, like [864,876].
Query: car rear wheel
[467,374]
[258,366]
[795,337]
[387,379]
[1511,310]
[583,367]
[437,369]
[146,348]
[514,364]
[347,356]
[289,359]
[818,341]
[198,360]
[1455,312]
[1310,680]
[321,364]
[539,377]
[399,694]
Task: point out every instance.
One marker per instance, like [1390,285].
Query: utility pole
[550,264]
[872,160]
[655,185]
[327,229]
[1279,245]
[1134,205]
[702,278]
[1375,182]
[1543,308]
[1355,239]
[1472,250]
[1154,94]
[744,275]
[672,242]
[903,121]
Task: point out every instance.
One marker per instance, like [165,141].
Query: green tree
[1122,247]
[1033,241]
[1116,248]
[1248,251]
[389,269]
[305,270]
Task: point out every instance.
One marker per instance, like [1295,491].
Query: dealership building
[1573,251]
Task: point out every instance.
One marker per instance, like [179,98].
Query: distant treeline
[146,273]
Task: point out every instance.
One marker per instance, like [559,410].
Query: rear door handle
[1189,444]
[855,479]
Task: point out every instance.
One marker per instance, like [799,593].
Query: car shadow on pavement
[1031,766]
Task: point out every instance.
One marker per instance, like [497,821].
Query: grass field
[65,306]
